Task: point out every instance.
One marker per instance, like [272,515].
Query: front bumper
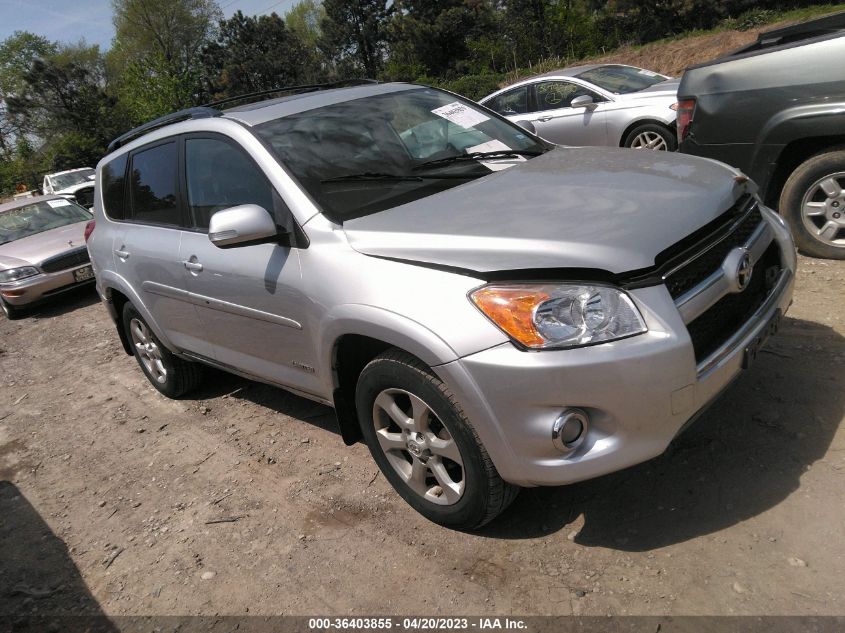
[639,392]
[42,287]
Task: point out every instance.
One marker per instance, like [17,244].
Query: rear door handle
[122,254]
[194,266]
[545,118]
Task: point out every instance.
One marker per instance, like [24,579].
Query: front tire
[172,376]
[424,445]
[651,136]
[813,203]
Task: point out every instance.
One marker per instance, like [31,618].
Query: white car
[600,104]
[74,184]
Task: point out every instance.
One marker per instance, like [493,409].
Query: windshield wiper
[376,175]
[458,158]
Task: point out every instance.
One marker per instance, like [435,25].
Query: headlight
[543,316]
[14,274]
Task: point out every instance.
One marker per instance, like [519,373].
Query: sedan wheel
[651,136]
[419,448]
[649,140]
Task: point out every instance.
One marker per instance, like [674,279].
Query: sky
[69,21]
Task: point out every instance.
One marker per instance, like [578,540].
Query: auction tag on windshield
[460,114]
[61,202]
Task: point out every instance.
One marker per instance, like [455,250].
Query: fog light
[570,429]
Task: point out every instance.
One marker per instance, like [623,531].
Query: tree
[17,53]
[252,54]
[304,20]
[157,52]
[63,102]
[353,35]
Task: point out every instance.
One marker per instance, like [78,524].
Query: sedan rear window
[32,219]
[363,156]
[622,79]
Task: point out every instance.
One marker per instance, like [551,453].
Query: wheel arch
[792,156]
[646,121]
[353,336]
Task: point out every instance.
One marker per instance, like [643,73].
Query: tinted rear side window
[113,178]
[220,176]
[153,185]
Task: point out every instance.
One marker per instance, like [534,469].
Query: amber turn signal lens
[512,309]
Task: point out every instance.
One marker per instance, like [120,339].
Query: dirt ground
[245,500]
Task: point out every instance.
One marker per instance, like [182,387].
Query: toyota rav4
[485,310]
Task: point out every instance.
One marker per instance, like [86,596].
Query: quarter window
[153,185]
[220,176]
[113,180]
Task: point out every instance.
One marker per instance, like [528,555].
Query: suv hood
[32,250]
[598,208]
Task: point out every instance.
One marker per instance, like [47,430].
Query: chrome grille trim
[702,297]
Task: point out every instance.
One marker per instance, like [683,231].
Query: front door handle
[122,254]
[193,266]
[543,119]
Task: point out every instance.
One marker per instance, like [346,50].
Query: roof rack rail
[182,115]
[210,110]
[302,88]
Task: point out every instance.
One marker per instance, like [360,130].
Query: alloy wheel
[823,210]
[418,446]
[649,140]
[148,350]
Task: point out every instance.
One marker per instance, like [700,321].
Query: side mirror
[528,126]
[584,101]
[243,225]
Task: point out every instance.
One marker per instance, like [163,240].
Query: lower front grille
[715,326]
[67,260]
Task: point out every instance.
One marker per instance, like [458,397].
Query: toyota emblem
[744,269]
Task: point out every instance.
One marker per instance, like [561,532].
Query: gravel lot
[245,500]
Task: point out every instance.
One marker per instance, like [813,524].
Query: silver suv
[486,310]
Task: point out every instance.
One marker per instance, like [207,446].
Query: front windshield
[622,79]
[36,218]
[363,156]
[63,181]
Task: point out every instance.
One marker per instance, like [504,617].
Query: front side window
[553,95]
[113,182]
[153,185]
[219,176]
[32,219]
[511,102]
[365,155]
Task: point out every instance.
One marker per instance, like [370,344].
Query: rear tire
[12,313]
[651,136]
[424,445]
[172,376]
[811,200]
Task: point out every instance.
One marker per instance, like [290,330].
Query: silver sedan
[600,104]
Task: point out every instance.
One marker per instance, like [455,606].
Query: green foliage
[353,36]
[304,20]
[255,53]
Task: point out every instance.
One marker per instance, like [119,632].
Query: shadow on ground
[743,456]
[70,301]
[40,587]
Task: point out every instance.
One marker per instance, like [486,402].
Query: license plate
[83,274]
[759,341]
